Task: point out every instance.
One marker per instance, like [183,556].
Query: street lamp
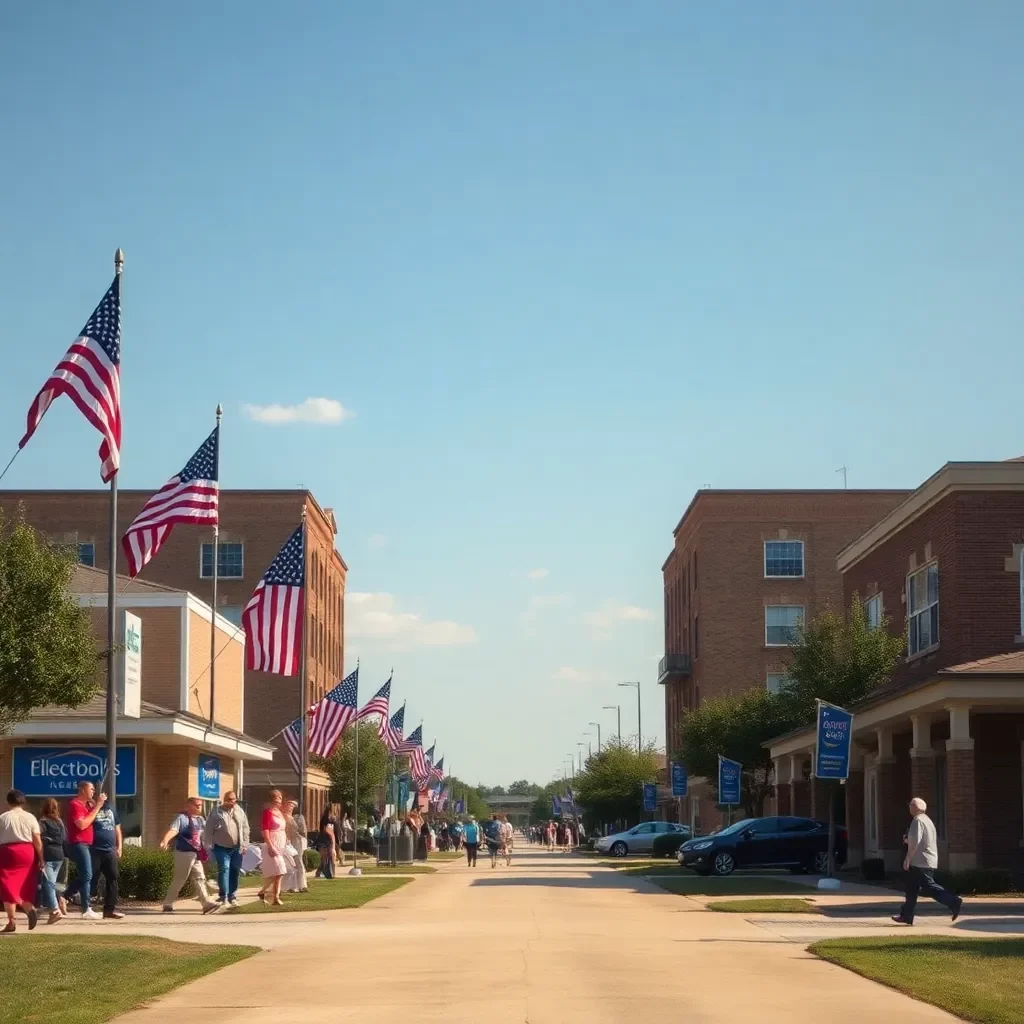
[581,744]
[617,708]
[639,735]
[597,725]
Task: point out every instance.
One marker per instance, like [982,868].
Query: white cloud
[536,574]
[312,410]
[378,540]
[568,674]
[614,613]
[376,618]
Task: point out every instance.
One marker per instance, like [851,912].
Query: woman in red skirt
[21,859]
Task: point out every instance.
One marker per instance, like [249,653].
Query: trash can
[401,845]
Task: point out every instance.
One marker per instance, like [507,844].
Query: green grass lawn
[367,868]
[735,885]
[767,906]
[649,867]
[43,977]
[327,895]
[976,979]
[446,855]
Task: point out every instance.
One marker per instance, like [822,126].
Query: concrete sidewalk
[551,940]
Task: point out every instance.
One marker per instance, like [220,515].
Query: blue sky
[563,264]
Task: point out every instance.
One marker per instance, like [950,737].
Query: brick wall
[228,678]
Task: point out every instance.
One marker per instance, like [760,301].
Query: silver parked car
[638,839]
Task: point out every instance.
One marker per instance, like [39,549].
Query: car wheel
[619,849]
[723,863]
[821,863]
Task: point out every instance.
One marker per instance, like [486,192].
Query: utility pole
[639,734]
[617,708]
[842,469]
[597,725]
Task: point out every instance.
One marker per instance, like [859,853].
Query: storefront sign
[679,779]
[209,777]
[832,746]
[650,797]
[129,683]
[57,771]
[729,775]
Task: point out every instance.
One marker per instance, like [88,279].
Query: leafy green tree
[475,802]
[524,788]
[610,787]
[373,767]
[541,809]
[48,655]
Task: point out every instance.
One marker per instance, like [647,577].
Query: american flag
[378,704]
[189,497]
[413,746]
[429,755]
[391,731]
[292,736]
[273,616]
[332,714]
[437,770]
[442,799]
[90,375]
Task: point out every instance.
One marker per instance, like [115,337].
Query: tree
[524,788]
[486,791]
[475,802]
[47,651]
[610,787]
[373,767]
[541,809]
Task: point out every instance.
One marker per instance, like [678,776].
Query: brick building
[946,569]
[161,752]
[745,567]
[254,526]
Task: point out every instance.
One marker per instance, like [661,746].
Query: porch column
[854,793]
[922,760]
[800,788]
[783,790]
[961,824]
[892,804]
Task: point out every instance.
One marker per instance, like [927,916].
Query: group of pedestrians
[497,833]
[562,835]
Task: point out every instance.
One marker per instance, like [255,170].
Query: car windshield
[736,826]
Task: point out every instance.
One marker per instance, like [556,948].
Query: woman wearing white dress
[276,863]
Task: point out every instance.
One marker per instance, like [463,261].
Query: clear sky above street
[552,267]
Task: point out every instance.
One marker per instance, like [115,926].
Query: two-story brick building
[945,568]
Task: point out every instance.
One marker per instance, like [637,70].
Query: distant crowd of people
[564,835]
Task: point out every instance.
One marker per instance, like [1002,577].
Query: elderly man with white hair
[921,860]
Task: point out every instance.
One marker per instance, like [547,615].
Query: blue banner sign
[57,771]
[730,774]
[650,797]
[832,746]
[679,779]
[556,807]
[460,806]
[209,777]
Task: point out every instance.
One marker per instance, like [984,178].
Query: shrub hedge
[977,881]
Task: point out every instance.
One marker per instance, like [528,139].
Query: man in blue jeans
[227,832]
[82,811]
[921,860]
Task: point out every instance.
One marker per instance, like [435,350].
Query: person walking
[492,833]
[21,860]
[186,832]
[275,861]
[227,834]
[105,851]
[82,811]
[549,835]
[295,831]
[507,838]
[471,834]
[53,835]
[921,860]
[326,842]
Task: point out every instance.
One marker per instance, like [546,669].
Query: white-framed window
[783,558]
[781,622]
[923,609]
[87,554]
[873,611]
[230,561]
[775,681]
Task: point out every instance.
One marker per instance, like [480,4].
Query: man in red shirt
[82,811]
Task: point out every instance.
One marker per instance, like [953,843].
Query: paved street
[550,940]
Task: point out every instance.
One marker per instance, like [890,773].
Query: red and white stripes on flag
[331,715]
[377,704]
[273,618]
[90,375]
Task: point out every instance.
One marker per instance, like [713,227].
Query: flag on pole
[377,704]
[188,497]
[437,770]
[90,375]
[273,616]
[391,731]
[292,736]
[429,755]
[332,714]
[413,746]
[442,799]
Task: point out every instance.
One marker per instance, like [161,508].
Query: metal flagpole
[303,698]
[216,546]
[355,869]
[112,607]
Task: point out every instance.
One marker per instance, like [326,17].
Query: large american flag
[188,497]
[413,746]
[437,770]
[90,375]
[377,704]
[273,618]
[292,737]
[391,731]
[332,714]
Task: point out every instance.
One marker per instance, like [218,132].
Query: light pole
[597,725]
[572,764]
[639,734]
[617,708]
[581,744]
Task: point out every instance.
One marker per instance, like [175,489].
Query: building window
[923,609]
[782,623]
[783,558]
[775,681]
[230,561]
[87,554]
[873,611]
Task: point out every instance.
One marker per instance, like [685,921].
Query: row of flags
[273,618]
